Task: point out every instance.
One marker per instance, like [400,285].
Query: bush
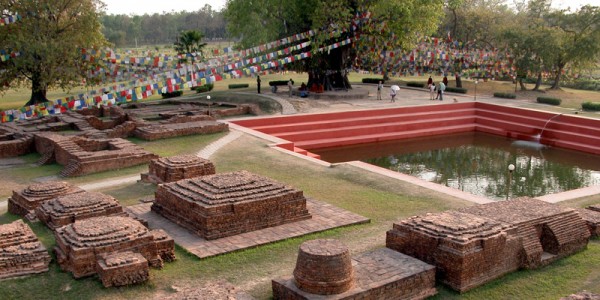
[505,95]
[583,84]
[456,90]
[548,100]
[279,82]
[373,80]
[238,86]
[595,106]
[415,84]
[172,94]
[203,88]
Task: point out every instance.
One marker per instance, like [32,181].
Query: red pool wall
[306,132]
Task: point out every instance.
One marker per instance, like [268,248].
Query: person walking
[431,91]
[441,89]
[291,86]
[379,88]
[429,82]
[393,94]
[258,83]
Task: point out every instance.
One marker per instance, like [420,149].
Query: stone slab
[324,217]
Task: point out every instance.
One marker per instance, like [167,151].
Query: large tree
[49,39]
[190,42]
[376,27]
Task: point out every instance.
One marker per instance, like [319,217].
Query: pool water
[477,163]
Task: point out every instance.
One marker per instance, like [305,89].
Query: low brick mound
[595,207]
[80,245]
[21,253]
[227,204]
[380,274]
[163,131]
[477,244]
[67,209]
[122,268]
[584,295]
[82,156]
[592,219]
[170,169]
[24,202]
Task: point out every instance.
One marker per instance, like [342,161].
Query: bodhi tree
[374,27]
[49,40]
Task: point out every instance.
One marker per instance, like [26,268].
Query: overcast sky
[158,6]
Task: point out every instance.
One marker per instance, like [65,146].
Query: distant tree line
[155,29]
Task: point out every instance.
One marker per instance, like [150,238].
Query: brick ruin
[169,169]
[81,156]
[81,245]
[325,269]
[591,216]
[226,204]
[67,209]
[180,126]
[122,268]
[21,253]
[475,245]
[24,202]
[14,142]
[583,295]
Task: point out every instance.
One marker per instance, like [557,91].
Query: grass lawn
[382,199]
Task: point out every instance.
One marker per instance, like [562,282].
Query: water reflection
[477,163]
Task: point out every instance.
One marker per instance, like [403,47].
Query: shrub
[583,84]
[456,90]
[595,106]
[505,95]
[373,80]
[238,86]
[279,82]
[548,100]
[415,84]
[203,88]
[172,94]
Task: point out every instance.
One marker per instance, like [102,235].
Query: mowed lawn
[382,199]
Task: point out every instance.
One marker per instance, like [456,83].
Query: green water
[478,164]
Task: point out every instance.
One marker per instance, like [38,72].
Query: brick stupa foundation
[80,245]
[478,244]
[67,209]
[170,169]
[25,202]
[21,253]
[325,270]
[227,204]
[122,268]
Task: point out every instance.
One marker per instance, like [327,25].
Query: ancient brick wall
[163,131]
[170,169]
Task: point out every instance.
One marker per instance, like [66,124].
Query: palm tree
[190,41]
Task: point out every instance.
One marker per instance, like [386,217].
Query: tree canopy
[189,42]
[49,40]
[373,25]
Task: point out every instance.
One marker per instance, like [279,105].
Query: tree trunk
[38,91]
[458,80]
[523,87]
[538,82]
[556,84]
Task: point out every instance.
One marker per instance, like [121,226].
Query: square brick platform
[324,217]
[380,274]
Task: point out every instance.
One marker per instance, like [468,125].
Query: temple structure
[227,204]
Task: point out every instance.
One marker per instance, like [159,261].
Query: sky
[128,7]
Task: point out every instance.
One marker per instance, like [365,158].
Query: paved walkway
[324,217]
[205,153]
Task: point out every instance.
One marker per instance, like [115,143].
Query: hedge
[595,106]
[203,88]
[505,95]
[279,82]
[373,80]
[456,90]
[238,86]
[172,94]
[548,100]
[415,84]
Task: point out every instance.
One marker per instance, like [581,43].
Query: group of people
[440,88]
[393,91]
